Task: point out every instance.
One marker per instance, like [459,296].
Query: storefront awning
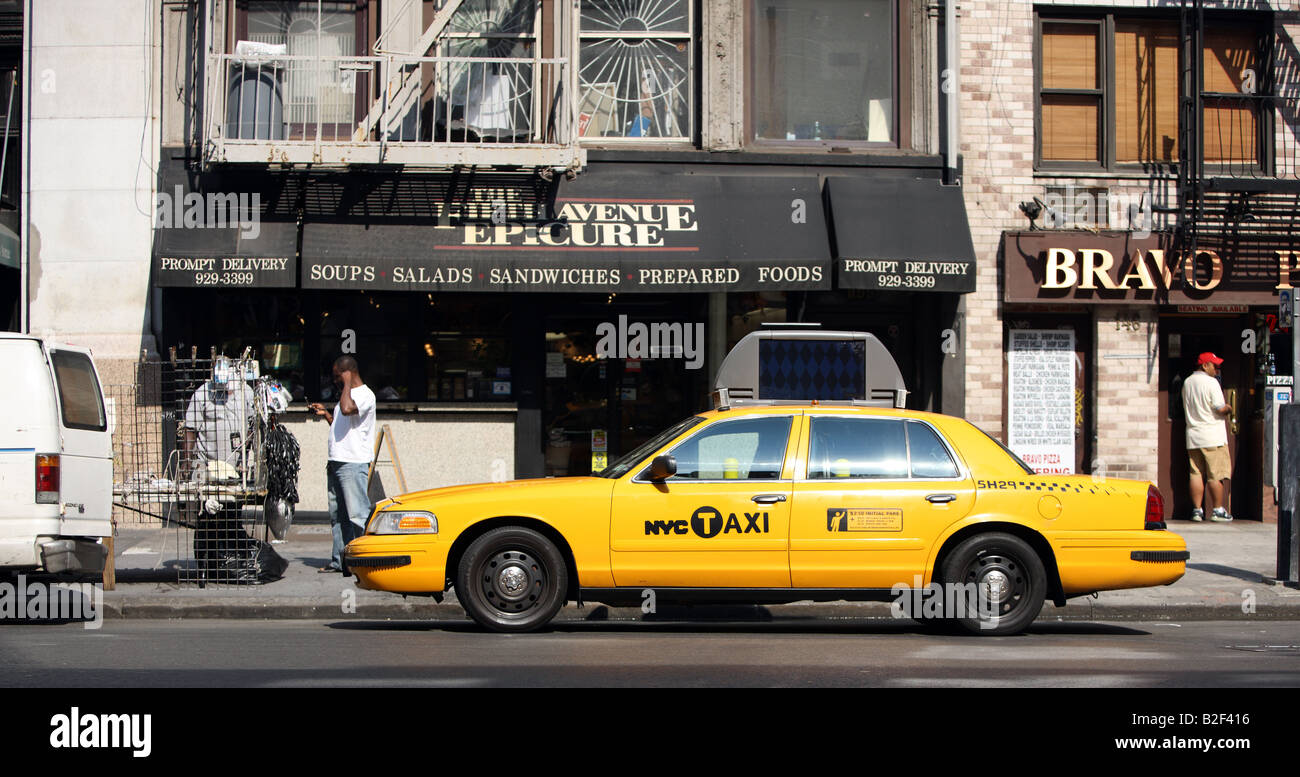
[256,255]
[901,234]
[634,231]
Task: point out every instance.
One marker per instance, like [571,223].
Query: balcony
[301,103]
[1239,143]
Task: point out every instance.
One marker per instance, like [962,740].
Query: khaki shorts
[1210,463]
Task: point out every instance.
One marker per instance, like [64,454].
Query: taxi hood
[511,489]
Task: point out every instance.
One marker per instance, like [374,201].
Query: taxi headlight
[404,522]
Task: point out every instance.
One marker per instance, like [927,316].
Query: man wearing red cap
[1207,437]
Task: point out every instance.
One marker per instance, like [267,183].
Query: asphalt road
[267,654]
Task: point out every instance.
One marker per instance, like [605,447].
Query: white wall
[93,150]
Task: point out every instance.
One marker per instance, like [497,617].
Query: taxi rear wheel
[512,579]
[1006,578]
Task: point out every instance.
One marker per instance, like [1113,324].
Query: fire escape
[462,85]
[1239,151]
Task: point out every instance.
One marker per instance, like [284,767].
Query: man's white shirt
[1201,395]
[352,437]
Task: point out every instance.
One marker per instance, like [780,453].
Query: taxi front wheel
[1003,582]
[512,579]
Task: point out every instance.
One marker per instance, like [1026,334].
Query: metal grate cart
[194,455]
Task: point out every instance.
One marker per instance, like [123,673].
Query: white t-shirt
[352,437]
[1201,395]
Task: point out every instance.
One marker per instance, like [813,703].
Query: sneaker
[1220,516]
[1198,515]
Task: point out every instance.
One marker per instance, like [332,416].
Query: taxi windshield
[629,460]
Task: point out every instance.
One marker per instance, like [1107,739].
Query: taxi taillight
[1155,516]
[47,478]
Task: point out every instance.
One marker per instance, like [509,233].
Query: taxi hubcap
[1000,579]
[996,586]
[512,580]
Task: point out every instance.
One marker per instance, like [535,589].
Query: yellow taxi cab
[788,500]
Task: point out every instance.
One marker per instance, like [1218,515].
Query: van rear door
[86,461]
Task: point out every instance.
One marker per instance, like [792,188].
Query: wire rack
[189,455]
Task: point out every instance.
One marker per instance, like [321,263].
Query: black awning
[257,254]
[902,234]
[606,231]
[213,230]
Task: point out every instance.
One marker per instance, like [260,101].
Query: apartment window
[636,62]
[313,92]
[1109,91]
[485,99]
[824,70]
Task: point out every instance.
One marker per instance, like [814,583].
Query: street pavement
[1228,578]
[366,653]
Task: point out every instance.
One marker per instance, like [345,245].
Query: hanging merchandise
[282,462]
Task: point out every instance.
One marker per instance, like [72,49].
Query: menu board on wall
[1040,400]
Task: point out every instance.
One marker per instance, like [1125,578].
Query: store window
[415,347]
[1109,91]
[636,62]
[824,70]
[746,449]
[269,324]
[11,100]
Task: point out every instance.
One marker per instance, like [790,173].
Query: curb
[160,610]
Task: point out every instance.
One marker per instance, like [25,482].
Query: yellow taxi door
[722,521]
[872,495]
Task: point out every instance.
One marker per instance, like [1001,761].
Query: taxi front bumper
[406,564]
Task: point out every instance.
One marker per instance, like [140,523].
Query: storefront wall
[498,328]
[1152,314]
[435,449]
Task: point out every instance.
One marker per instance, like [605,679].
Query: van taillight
[47,478]
[1155,509]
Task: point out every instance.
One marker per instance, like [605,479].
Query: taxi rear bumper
[1109,561]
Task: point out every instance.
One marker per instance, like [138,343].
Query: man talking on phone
[351,447]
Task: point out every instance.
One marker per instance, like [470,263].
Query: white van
[56,459]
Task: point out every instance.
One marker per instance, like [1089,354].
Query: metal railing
[280,107]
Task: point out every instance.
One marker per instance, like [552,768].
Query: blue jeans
[349,504]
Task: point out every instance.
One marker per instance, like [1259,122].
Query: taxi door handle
[941,499]
[767,499]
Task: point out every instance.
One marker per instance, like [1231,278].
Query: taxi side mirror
[663,467]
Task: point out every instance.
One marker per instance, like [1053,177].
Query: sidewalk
[1226,572]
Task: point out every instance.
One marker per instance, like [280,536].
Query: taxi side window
[857,448]
[930,458]
[746,449]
